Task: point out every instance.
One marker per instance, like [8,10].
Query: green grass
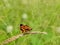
[43,15]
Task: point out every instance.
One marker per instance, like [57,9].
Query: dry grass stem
[20,35]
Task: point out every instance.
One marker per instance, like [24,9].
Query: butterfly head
[21,24]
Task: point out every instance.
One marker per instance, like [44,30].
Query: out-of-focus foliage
[40,15]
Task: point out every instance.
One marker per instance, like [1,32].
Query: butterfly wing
[24,28]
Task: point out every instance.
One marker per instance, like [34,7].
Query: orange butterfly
[24,28]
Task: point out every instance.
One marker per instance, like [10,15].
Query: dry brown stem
[20,35]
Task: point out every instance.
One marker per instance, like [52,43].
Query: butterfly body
[24,28]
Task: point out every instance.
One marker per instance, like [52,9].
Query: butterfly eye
[21,24]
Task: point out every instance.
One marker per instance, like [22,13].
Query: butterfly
[25,28]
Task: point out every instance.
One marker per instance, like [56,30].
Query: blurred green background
[40,15]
